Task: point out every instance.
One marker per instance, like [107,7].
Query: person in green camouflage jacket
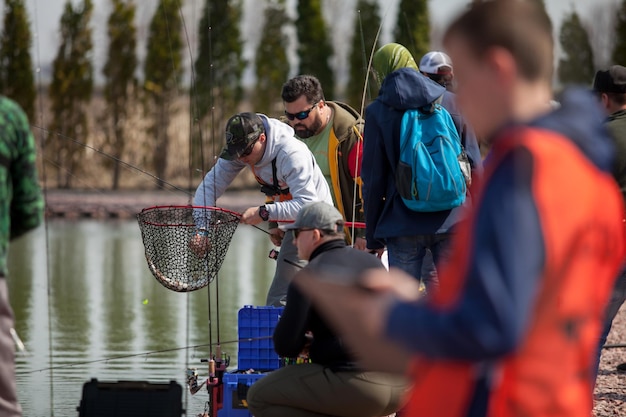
[21,209]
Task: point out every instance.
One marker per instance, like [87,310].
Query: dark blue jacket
[467,135]
[386,215]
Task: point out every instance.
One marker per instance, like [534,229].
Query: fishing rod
[127,165]
[143,172]
[113,158]
[148,353]
[43,132]
[192,105]
[44,175]
[365,92]
[217,367]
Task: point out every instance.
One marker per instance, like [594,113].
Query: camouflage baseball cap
[242,130]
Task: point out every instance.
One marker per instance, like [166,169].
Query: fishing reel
[214,382]
[216,367]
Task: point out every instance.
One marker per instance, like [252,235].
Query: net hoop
[175,242]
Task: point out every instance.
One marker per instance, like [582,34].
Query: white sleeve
[297,170]
[213,186]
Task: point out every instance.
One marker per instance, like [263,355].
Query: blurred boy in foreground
[513,329]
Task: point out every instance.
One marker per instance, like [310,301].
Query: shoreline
[125,204]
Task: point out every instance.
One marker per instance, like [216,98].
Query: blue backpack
[433,170]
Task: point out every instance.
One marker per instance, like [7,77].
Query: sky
[45,16]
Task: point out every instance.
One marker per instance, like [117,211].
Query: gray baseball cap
[318,215]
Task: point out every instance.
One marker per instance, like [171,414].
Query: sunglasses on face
[248,150]
[300,115]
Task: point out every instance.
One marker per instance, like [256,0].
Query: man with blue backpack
[417,164]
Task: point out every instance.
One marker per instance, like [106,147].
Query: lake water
[83,295]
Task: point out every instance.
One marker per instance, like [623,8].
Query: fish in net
[186,245]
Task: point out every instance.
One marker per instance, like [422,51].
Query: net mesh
[185,246]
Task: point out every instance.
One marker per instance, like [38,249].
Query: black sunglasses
[300,115]
[296,232]
[249,149]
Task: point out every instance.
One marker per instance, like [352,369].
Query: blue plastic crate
[235,389]
[257,323]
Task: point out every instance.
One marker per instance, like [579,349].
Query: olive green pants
[311,390]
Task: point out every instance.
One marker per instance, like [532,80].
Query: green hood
[389,58]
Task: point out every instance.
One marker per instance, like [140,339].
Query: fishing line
[86,185]
[408,29]
[148,353]
[212,102]
[193,99]
[123,163]
[190,183]
[365,90]
[175,71]
[126,164]
[369,64]
[356,169]
[107,155]
[44,178]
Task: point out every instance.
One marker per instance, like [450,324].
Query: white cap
[436,62]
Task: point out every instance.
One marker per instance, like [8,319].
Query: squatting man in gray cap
[331,383]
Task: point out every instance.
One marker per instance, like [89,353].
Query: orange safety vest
[549,373]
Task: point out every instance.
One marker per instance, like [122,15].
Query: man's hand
[378,252]
[360,316]
[360,244]
[398,283]
[251,216]
[200,245]
[276,236]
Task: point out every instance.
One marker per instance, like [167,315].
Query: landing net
[185,245]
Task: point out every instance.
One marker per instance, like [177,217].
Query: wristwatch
[263,213]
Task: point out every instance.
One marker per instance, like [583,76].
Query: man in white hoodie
[287,173]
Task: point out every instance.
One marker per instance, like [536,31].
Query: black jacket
[616,125]
[300,315]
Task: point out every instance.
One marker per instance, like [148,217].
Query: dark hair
[442,79]
[617,98]
[303,85]
[521,27]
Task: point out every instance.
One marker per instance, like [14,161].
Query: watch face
[265,215]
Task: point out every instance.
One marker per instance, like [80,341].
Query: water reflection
[100,301]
